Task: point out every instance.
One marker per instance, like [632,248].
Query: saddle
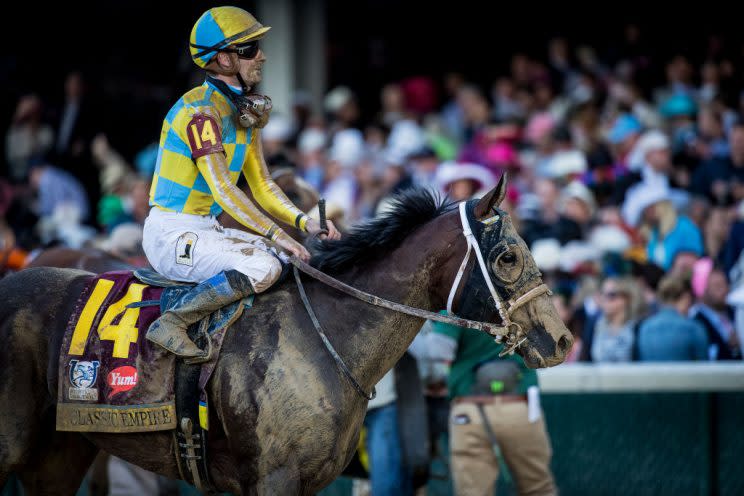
[149,276]
[115,380]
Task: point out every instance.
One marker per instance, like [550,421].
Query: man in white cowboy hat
[209,137]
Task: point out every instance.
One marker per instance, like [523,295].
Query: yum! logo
[122,379]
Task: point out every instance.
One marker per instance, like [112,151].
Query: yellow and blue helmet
[219,28]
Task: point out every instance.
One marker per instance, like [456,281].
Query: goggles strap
[222,44]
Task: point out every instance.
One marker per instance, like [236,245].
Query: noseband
[513,331]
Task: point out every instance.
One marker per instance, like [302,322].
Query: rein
[512,330]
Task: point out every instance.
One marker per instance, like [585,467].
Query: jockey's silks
[188,180]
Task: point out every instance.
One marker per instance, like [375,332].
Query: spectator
[506,104]
[733,246]
[711,139]
[710,81]
[550,223]
[679,74]
[347,151]
[462,181]
[387,475]
[393,105]
[669,335]
[623,135]
[28,139]
[664,232]
[274,138]
[502,393]
[56,189]
[452,113]
[475,110]
[611,335]
[710,286]
[651,158]
[341,105]
[311,146]
[577,204]
[722,178]
[74,134]
[679,111]
[424,164]
[716,227]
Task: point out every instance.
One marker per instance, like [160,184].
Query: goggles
[247,50]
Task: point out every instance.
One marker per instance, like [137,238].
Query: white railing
[643,377]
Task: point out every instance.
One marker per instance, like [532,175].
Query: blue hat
[624,126]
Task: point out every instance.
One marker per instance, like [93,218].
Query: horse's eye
[508,258]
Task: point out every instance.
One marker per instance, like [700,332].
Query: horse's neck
[372,339]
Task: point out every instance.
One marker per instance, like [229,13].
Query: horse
[90,259]
[286,420]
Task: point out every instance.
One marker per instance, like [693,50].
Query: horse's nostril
[564,344]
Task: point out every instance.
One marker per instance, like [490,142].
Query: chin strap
[243,86]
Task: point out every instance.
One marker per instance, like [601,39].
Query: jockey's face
[251,70]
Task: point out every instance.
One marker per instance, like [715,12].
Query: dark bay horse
[287,420]
[90,259]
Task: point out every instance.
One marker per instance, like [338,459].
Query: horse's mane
[375,238]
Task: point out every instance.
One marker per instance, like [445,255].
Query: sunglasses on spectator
[247,50]
[611,295]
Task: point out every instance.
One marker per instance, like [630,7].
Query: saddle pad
[111,379]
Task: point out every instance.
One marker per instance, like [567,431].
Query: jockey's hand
[313,228]
[293,247]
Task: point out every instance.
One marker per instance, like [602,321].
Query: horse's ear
[492,199]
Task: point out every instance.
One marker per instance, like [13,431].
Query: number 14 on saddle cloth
[112,379]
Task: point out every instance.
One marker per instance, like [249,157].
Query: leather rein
[508,329]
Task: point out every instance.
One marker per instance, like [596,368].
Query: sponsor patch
[83,375]
[121,379]
[185,248]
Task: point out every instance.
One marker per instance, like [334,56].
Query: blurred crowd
[629,194]
[628,189]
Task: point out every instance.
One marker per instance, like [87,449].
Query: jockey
[209,136]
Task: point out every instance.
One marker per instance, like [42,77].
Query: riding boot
[169,331]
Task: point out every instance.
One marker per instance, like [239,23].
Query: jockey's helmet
[228,29]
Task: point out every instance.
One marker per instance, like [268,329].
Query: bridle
[514,333]
[508,329]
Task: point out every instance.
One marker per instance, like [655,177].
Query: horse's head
[514,292]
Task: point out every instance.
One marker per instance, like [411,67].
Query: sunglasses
[247,50]
[611,295]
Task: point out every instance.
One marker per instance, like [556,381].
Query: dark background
[135,58]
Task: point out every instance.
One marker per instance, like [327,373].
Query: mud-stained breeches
[193,248]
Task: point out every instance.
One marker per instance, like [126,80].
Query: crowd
[629,193]
[615,186]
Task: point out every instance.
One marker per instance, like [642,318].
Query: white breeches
[192,248]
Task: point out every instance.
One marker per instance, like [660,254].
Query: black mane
[375,238]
